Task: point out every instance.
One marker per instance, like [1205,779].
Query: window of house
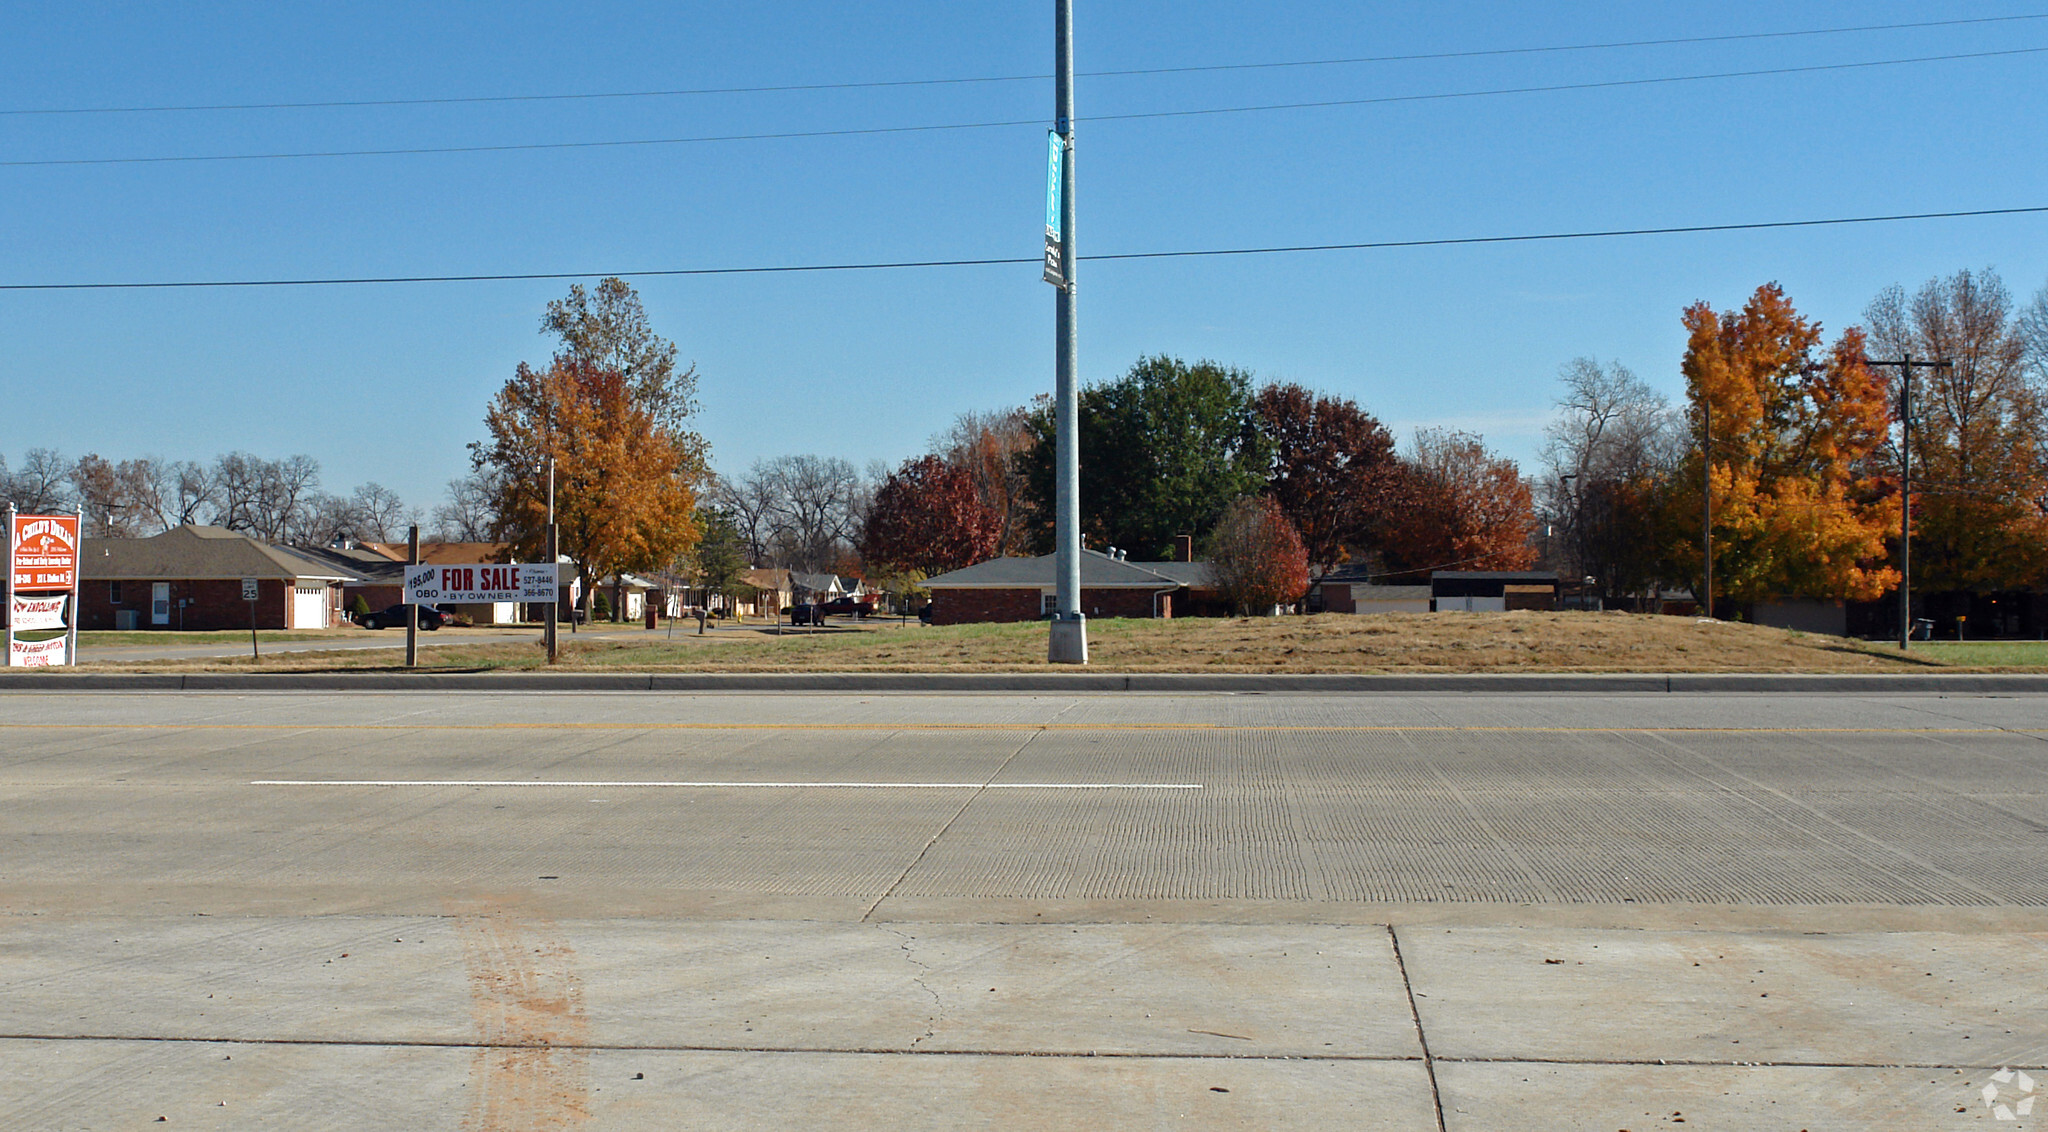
[114,592]
[1048,603]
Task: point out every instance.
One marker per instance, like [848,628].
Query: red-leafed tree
[928,516]
[1257,557]
[1462,508]
[1333,472]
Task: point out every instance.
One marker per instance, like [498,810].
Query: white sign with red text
[30,613]
[38,654]
[480,583]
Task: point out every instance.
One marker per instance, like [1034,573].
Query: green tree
[720,558]
[1164,449]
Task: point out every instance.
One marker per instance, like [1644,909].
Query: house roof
[1494,575]
[367,565]
[1366,592]
[441,553]
[202,552]
[815,583]
[1194,575]
[1098,571]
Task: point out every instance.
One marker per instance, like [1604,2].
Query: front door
[159,603]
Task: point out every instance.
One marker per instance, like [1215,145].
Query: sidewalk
[498,1016]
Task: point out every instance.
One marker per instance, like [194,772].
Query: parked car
[431,617]
[806,614]
[847,607]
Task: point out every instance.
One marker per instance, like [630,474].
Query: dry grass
[1439,642]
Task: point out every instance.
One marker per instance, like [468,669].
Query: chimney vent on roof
[1183,548]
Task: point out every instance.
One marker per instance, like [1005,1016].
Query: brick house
[1023,589]
[190,577]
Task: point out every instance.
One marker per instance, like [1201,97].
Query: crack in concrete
[938,1014]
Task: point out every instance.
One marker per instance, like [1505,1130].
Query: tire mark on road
[531,1070]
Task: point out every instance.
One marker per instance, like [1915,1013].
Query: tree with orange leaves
[1796,429]
[610,410]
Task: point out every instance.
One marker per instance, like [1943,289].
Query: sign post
[42,587]
[249,592]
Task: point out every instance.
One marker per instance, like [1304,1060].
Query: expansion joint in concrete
[1436,1096]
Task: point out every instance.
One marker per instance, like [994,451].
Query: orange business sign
[45,552]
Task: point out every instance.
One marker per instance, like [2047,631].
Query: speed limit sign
[248,589]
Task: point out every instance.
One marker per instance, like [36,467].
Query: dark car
[806,614]
[847,607]
[431,617]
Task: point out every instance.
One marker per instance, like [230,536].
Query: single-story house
[772,593]
[1024,589]
[190,577]
[815,587]
[1492,591]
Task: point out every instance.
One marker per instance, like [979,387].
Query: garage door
[309,607]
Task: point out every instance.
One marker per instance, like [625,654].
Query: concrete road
[537,911]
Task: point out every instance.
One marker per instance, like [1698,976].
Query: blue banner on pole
[1055,259]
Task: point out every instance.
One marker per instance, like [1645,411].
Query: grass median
[1325,643]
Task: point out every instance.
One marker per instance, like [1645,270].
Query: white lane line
[740,785]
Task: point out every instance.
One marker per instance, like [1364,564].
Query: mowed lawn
[1431,642]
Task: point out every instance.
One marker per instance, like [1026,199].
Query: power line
[947,126]
[785,269]
[880,84]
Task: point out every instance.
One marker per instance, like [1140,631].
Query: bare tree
[817,510]
[1612,436]
[123,500]
[190,492]
[379,514]
[236,481]
[2034,331]
[324,518]
[750,500]
[471,509]
[40,487]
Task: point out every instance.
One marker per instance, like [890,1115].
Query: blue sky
[388,383]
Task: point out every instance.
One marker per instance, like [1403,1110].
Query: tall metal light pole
[1707,500]
[1069,640]
[554,555]
[1906,366]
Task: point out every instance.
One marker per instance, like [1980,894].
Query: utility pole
[1906,365]
[1068,643]
[554,567]
[1707,499]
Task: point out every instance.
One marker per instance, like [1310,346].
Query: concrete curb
[1048,682]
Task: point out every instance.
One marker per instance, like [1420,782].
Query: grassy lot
[1982,654]
[1440,642]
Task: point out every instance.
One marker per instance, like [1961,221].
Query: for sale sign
[45,552]
[32,613]
[38,654]
[479,584]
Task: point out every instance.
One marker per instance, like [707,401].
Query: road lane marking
[1388,729]
[708,785]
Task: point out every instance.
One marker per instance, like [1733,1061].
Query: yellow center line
[912,726]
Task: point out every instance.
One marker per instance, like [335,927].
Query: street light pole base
[1069,641]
